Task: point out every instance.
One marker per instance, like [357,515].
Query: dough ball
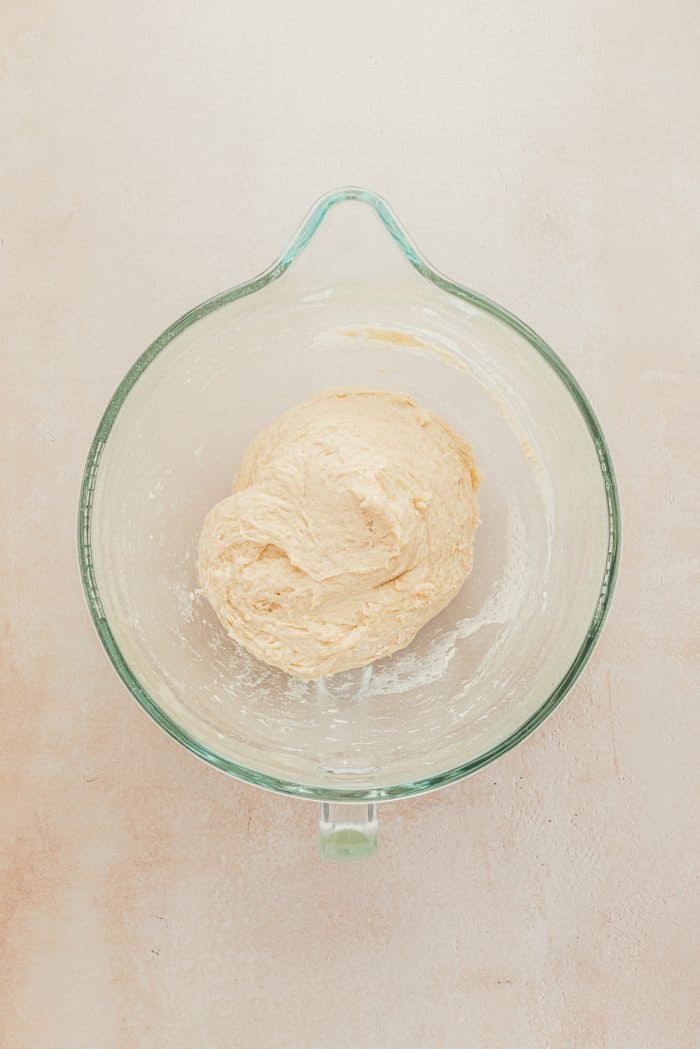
[350,526]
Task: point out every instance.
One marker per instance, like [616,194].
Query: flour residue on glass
[406,670]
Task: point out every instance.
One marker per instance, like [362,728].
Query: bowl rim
[302,237]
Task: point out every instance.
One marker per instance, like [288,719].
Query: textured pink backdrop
[153,154]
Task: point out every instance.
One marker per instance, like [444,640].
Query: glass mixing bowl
[347,305]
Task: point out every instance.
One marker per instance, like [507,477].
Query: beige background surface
[546,153]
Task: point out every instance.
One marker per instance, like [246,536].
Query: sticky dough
[350,526]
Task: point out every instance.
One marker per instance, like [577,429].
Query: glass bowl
[347,305]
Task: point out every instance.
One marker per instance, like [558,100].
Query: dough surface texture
[350,526]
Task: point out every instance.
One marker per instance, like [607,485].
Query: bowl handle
[348,831]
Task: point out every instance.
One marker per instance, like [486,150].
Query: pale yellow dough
[350,526]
